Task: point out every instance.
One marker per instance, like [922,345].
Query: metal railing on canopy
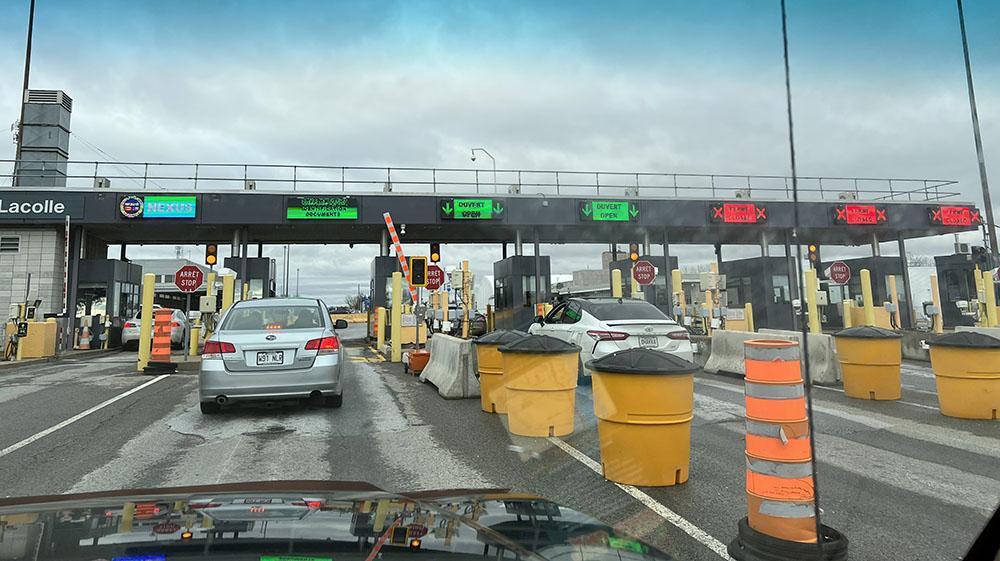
[290,178]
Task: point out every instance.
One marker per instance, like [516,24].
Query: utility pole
[991,228]
[296,282]
[24,92]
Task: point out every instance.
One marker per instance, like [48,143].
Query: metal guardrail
[212,177]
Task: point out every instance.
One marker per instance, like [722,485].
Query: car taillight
[679,334]
[175,324]
[598,335]
[324,345]
[129,325]
[309,503]
[215,349]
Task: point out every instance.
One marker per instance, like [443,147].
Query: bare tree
[354,302]
[919,260]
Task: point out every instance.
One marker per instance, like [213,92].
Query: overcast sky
[879,90]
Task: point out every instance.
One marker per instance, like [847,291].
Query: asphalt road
[900,480]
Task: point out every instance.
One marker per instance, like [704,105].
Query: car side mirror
[340,324]
[540,320]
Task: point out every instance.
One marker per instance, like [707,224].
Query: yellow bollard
[894,298]
[866,296]
[848,311]
[991,300]
[396,329]
[246,291]
[748,314]
[636,289]
[980,297]
[210,284]
[677,285]
[616,283]
[195,335]
[811,294]
[936,301]
[146,321]
[489,317]
[228,291]
[708,309]
[466,300]
[380,332]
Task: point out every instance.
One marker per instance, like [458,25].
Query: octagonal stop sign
[188,279]
[839,272]
[435,277]
[644,272]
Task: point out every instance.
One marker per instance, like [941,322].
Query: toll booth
[655,293]
[107,287]
[880,268]
[380,289]
[514,295]
[260,275]
[765,283]
[957,285]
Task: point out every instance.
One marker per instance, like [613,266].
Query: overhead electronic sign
[166,206]
[737,213]
[859,215]
[954,216]
[609,211]
[323,208]
[471,209]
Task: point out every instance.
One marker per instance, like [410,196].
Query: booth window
[779,283]
[10,244]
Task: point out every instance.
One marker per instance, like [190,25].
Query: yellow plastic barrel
[540,381]
[966,367]
[870,358]
[492,395]
[643,400]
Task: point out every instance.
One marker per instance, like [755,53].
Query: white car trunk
[271,350]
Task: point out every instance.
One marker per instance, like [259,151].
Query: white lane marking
[77,417]
[682,523]
[921,405]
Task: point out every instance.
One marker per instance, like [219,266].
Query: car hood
[305,521]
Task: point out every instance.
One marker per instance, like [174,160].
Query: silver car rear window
[256,318]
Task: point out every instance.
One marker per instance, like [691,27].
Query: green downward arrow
[586,209]
[498,208]
[447,208]
[633,210]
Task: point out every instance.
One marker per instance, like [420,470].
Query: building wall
[40,252]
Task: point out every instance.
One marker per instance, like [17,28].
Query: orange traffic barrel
[489,368]
[540,375]
[416,361]
[870,359]
[644,402]
[781,499]
[966,368]
[162,324]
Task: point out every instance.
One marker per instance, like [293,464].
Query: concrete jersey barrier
[727,352]
[451,367]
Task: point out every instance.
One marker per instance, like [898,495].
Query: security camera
[473,157]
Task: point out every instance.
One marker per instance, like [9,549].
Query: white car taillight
[599,335]
[215,349]
[679,334]
[324,345]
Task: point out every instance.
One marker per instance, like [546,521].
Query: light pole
[991,232]
[296,282]
[484,151]
[24,94]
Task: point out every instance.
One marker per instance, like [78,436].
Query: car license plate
[266,358]
[649,341]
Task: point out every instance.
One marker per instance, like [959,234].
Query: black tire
[210,408]
[335,401]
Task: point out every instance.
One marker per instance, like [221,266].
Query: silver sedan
[270,350]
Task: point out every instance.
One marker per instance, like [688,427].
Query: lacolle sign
[28,207]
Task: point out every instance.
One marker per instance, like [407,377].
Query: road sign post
[644,272]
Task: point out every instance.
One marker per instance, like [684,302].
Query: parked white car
[179,329]
[601,326]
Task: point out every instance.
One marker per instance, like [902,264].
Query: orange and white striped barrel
[779,483]
[162,320]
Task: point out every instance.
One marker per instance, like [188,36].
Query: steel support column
[518,244]
[908,319]
[538,271]
[667,274]
[73,278]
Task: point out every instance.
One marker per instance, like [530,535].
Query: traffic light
[633,252]
[418,271]
[814,260]
[211,254]
[435,252]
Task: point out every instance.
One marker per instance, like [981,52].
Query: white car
[178,330]
[601,326]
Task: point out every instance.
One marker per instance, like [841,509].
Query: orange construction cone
[161,335]
[781,497]
[84,339]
